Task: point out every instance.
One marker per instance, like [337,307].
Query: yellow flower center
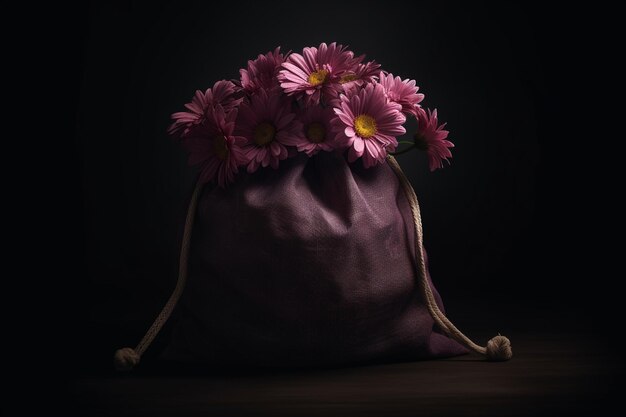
[315,132]
[264,133]
[347,78]
[318,77]
[219,147]
[365,126]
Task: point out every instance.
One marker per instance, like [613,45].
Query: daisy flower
[261,73]
[223,93]
[317,131]
[315,74]
[267,124]
[362,74]
[402,92]
[368,124]
[431,137]
[215,148]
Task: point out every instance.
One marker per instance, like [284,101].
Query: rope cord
[127,358]
[499,347]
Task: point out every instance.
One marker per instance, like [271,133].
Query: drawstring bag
[303,240]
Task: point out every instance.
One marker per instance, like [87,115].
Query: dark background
[513,227]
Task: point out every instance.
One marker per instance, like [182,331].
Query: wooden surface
[556,375]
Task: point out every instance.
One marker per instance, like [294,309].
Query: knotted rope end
[499,349]
[125,359]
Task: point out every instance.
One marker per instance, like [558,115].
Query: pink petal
[358,145]
[372,149]
[275,148]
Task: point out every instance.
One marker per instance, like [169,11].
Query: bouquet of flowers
[323,100]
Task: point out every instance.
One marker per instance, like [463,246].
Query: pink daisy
[402,92]
[317,128]
[368,124]
[431,137]
[362,74]
[267,123]
[223,93]
[261,73]
[215,148]
[316,73]
[353,79]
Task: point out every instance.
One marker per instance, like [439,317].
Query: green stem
[410,148]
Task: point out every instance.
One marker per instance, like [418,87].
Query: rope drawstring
[499,347]
[127,358]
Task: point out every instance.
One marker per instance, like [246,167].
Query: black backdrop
[502,223]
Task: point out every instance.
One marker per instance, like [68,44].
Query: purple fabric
[311,264]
